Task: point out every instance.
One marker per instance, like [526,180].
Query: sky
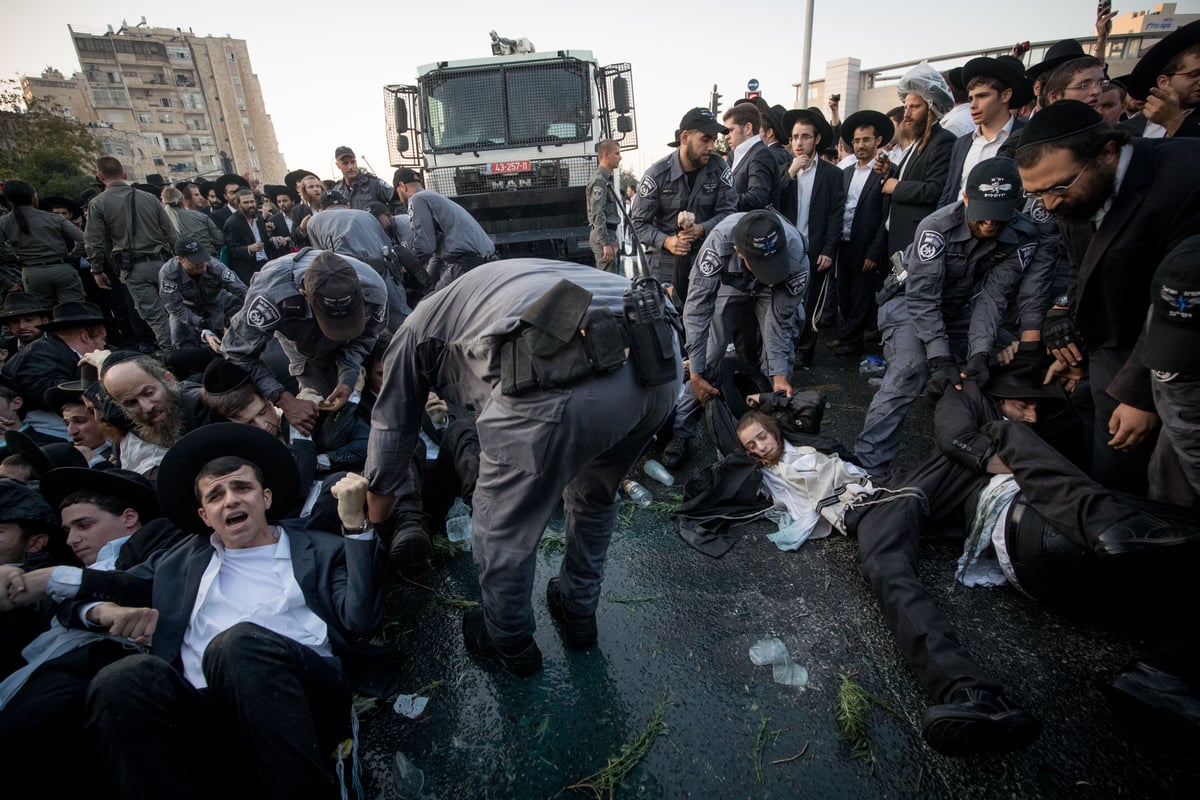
[322,66]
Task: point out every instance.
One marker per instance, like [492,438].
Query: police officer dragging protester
[570,372]
[944,300]
[752,266]
[602,208]
[682,198]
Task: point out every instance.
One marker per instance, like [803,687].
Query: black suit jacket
[238,239]
[916,195]
[825,210]
[952,191]
[220,215]
[1156,207]
[280,221]
[42,365]
[868,239]
[754,179]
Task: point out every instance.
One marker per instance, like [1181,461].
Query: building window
[145,118]
[116,116]
[166,117]
[166,102]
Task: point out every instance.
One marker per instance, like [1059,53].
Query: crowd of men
[233,413]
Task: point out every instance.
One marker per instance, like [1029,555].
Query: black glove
[977,369]
[943,373]
[1059,329]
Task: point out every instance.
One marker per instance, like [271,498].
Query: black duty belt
[54,263]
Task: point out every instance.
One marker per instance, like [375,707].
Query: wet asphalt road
[676,627]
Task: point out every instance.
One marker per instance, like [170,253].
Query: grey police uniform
[196,226]
[446,238]
[603,219]
[138,257]
[274,307]
[42,255]
[956,291]
[366,189]
[721,293]
[662,194]
[200,303]
[349,232]
[574,442]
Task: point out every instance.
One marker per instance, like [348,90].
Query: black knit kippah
[1058,121]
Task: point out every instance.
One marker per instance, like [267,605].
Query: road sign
[752,84]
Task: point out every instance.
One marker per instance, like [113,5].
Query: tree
[57,155]
[627,179]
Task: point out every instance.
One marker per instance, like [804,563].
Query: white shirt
[743,148]
[255,584]
[857,182]
[261,255]
[804,190]
[983,148]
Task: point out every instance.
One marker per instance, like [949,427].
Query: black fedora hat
[18,304]
[205,187]
[183,462]
[47,457]
[229,178]
[1022,379]
[273,191]
[295,176]
[812,115]
[1058,54]
[1145,73]
[126,486]
[64,394]
[1009,72]
[880,122]
[58,201]
[74,314]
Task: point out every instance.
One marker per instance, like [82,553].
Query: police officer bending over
[753,262]
[560,414]
[446,238]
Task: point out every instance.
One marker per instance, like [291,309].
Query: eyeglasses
[1059,191]
[1194,75]
[1085,86]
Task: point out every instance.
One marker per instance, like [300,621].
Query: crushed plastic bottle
[637,493]
[408,782]
[458,524]
[872,365]
[784,670]
[659,473]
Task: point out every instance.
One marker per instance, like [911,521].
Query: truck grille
[548,173]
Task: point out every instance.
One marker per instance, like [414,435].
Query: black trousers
[855,296]
[266,726]
[1119,470]
[820,311]
[453,473]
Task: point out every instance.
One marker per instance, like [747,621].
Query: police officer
[41,243]
[200,294]
[945,298]
[359,187]
[753,265]
[447,240]
[327,310]
[688,180]
[602,208]
[549,428]
[136,228]
[350,232]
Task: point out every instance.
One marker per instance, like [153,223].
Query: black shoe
[580,632]
[677,453]
[1144,534]
[1158,699]
[522,662]
[834,344]
[978,721]
[411,551]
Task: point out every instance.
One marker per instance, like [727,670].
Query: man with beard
[682,198]
[359,187]
[1124,205]
[247,240]
[285,200]
[944,300]
[1168,80]
[22,314]
[162,409]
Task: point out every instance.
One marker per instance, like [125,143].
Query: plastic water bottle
[659,473]
[637,493]
[458,524]
[872,365]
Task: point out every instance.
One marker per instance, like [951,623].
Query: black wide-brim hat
[46,458]
[18,304]
[229,178]
[1007,71]
[1059,53]
[1022,379]
[74,314]
[63,394]
[271,191]
[58,201]
[880,122]
[1145,73]
[184,460]
[20,503]
[812,115]
[295,176]
[128,487]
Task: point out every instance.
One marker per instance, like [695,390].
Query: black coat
[825,210]
[238,239]
[952,190]
[868,239]
[42,365]
[754,179]
[917,194]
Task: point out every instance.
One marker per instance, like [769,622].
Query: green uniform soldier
[602,208]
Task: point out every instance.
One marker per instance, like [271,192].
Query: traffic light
[714,101]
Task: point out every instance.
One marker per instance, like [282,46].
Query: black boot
[978,721]
[1156,698]
[580,632]
[677,452]
[522,661]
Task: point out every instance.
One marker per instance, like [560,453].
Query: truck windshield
[508,106]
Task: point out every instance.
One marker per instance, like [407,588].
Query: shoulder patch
[797,283]
[1025,254]
[647,188]
[710,262]
[930,245]
[597,192]
[380,314]
[1039,213]
[1163,377]
[727,177]
[261,313]
[168,287]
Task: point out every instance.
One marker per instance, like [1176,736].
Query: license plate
[508,167]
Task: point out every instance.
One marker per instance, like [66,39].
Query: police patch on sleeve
[1038,212]
[380,314]
[797,283]
[168,287]
[261,313]
[710,263]
[1160,376]
[1025,253]
[647,188]
[727,177]
[597,192]
[930,246]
